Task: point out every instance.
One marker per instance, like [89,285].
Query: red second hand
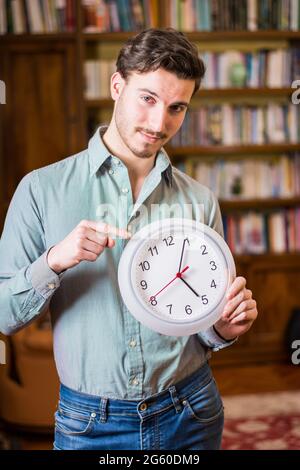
[177,275]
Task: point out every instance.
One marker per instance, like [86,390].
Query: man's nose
[158,120]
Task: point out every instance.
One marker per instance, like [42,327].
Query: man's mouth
[149,137]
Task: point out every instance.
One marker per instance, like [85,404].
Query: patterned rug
[266,421]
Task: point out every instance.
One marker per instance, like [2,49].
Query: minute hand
[181,256]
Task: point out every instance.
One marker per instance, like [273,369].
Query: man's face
[150,109]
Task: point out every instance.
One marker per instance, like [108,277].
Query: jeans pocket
[205,405]
[73,421]
[55,447]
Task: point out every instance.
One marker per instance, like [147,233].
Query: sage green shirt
[99,347]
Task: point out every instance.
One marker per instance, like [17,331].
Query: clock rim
[131,299]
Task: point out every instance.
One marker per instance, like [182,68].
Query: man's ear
[116,85]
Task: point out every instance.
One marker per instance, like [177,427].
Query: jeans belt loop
[103,410]
[175,399]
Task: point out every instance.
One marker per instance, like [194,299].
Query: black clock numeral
[204,299]
[213,284]
[145,265]
[153,301]
[170,308]
[144,284]
[213,265]
[188,309]
[169,241]
[204,250]
[152,250]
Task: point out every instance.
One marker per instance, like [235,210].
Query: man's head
[158,71]
[161,48]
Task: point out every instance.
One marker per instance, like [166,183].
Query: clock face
[174,275]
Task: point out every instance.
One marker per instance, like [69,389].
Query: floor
[233,380]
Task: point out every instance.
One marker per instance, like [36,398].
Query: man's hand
[85,243]
[239,312]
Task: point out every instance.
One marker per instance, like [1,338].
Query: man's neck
[138,168]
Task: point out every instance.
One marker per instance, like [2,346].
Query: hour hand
[190,287]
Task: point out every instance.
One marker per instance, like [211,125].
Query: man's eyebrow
[184,103]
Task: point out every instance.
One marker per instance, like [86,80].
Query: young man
[123,386]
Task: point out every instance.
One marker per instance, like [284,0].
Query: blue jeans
[186,416]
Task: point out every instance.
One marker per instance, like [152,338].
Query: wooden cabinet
[274,280]
[41,118]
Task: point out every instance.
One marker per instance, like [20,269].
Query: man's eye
[177,109]
[147,98]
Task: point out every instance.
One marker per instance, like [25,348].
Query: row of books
[251,178]
[239,124]
[274,68]
[119,15]
[36,16]
[212,15]
[46,16]
[264,68]
[258,233]
[97,75]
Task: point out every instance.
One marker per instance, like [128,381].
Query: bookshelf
[27,54]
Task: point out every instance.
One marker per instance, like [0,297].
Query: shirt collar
[164,164]
[98,154]
[97,151]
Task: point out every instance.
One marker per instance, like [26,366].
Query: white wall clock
[174,274]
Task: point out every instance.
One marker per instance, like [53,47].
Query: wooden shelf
[211,93]
[232,149]
[120,36]
[292,258]
[243,35]
[243,92]
[204,35]
[259,203]
[15,38]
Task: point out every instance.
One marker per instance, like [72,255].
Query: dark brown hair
[167,48]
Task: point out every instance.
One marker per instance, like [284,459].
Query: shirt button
[51,285]
[143,407]
[132,343]
[125,190]
[111,172]
[135,381]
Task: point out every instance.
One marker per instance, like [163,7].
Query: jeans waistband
[172,396]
